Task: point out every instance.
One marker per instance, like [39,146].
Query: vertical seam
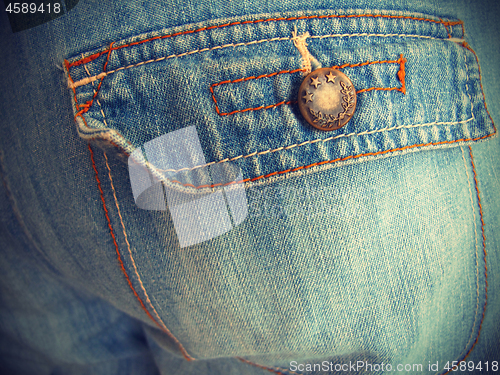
[148,301]
[467,85]
[485,264]
[483,235]
[446,27]
[120,261]
[98,102]
[477,245]
[465,45]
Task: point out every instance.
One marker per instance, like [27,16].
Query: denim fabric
[375,243]
[227,77]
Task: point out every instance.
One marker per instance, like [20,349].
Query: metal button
[327,99]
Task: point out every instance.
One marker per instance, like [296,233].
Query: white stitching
[467,84]
[167,331]
[300,43]
[255,153]
[98,102]
[477,264]
[378,35]
[86,81]
[318,140]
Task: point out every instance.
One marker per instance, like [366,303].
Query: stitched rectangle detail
[401,77]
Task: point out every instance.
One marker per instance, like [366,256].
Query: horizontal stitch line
[401,61]
[96,55]
[291,101]
[330,162]
[302,70]
[86,81]
[324,140]
[254,108]
[349,65]
[247,79]
[258,77]
[379,89]
[378,35]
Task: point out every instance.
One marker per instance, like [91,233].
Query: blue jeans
[371,248]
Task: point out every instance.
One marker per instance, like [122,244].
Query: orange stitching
[118,250]
[75,97]
[259,77]
[88,104]
[331,161]
[476,252]
[446,27]
[98,54]
[402,73]
[247,79]
[349,65]
[484,259]
[165,329]
[401,76]
[379,88]
[484,245]
[66,63]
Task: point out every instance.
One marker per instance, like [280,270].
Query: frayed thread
[309,62]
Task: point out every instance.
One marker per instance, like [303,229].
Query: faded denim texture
[376,242]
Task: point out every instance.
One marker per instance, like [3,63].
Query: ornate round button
[327,99]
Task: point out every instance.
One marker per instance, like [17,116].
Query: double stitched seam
[401,76]
[446,26]
[86,81]
[343,135]
[464,44]
[332,161]
[120,260]
[97,100]
[148,301]
[477,252]
[80,114]
[275,370]
[85,107]
[476,185]
[98,54]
